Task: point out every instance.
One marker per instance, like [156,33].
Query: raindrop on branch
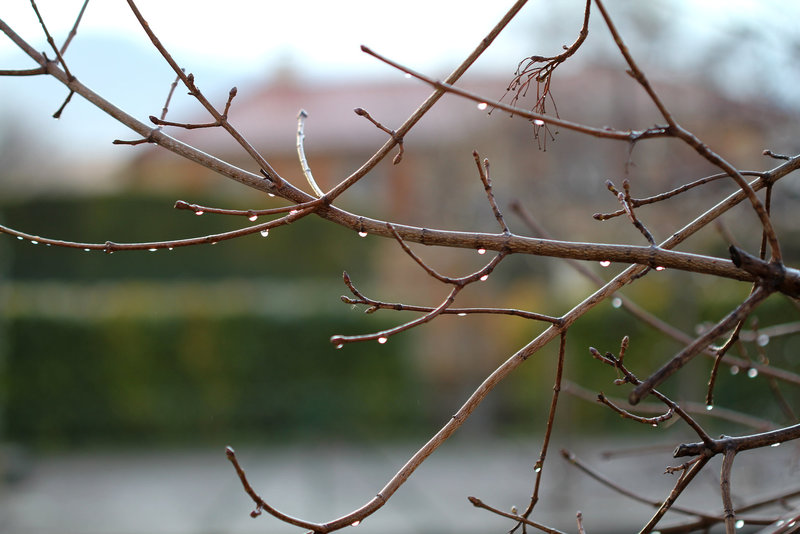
[762,340]
[616,302]
[264,232]
[481,251]
[482,106]
[605,263]
[253,217]
[752,372]
[198,212]
[484,277]
[382,340]
[362,233]
[538,122]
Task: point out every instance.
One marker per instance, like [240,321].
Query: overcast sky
[239,41]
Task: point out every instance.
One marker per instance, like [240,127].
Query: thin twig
[725,490]
[483,171]
[476,502]
[301,153]
[74,31]
[538,468]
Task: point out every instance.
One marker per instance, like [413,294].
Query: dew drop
[655,425]
[19,237]
[605,263]
[407,76]
[538,122]
[660,268]
[362,233]
[382,340]
[484,277]
[537,469]
[762,340]
[355,523]
[709,407]
[482,106]
[152,249]
[264,232]
[253,217]
[739,524]
[734,369]
[271,195]
[340,345]
[293,212]
[775,445]
[87,250]
[752,372]
[462,314]
[481,251]
[199,212]
[616,302]
[34,242]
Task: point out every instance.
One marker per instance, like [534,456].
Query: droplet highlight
[253,217]
[362,233]
[482,106]
[739,523]
[484,278]
[762,340]
[605,263]
[752,372]
[382,340]
[709,407]
[264,232]
[616,302]
[481,251]
[199,212]
[538,122]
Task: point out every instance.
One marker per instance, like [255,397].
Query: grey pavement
[197,492]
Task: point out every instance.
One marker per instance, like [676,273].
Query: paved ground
[196,492]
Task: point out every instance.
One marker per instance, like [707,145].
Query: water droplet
[362,233]
[406,76]
[152,249]
[462,314]
[655,425]
[19,237]
[616,302]
[513,509]
[752,372]
[734,369]
[293,212]
[538,122]
[660,268]
[264,232]
[340,345]
[605,263]
[482,106]
[382,340]
[198,212]
[709,407]
[253,217]
[780,523]
[355,523]
[739,524]
[762,340]
[537,469]
[484,277]
[775,445]
[481,251]
[34,242]
[170,248]
[271,195]
[87,250]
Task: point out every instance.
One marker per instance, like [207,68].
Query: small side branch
[301,153]
[483,171]
[396,138]
[477,503]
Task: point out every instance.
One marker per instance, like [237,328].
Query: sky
[237,42]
